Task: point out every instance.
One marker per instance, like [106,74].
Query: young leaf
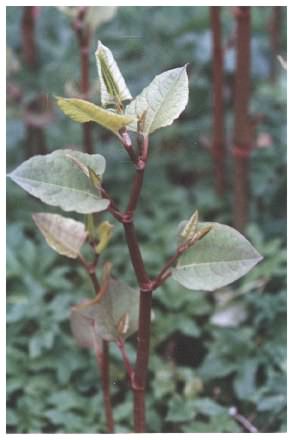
[218,259]
[163,100]
[84,111]
[112,84]
[104,235]
[118,305]
[64,235]
[57,181]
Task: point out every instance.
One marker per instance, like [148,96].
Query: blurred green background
[209,352]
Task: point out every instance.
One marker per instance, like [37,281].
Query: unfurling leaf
[123,324]
[85,111]
[104,234]
[163,100]
[65,235]
[115,316]
[112,84]
[189,229]
[57,181]
[218,259]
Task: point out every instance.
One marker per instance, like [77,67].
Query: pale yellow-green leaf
[112,84]
[84,111]
[64,235]
[163,100]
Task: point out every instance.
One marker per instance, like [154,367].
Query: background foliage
[210,352]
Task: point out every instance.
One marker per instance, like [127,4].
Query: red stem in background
[83,36]
[274,31]
[29,48]
[242,130]
[35,135]
[218,139]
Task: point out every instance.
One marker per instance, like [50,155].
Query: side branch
[165,271]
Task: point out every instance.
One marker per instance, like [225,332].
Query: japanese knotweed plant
[208,255]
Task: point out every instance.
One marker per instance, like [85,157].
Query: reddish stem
[218,141]
[139,376]
[128,367]
[242,134]
[106,387]
[274,30]
[29,48]
[83,36]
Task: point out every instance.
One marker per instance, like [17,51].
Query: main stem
[143,338]
[139,378]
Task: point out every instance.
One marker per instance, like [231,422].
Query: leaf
[163,100]
[105,318]
[112,84]
[57,181]
[64,235]
[83,329]
[218,259]
[244,382]
[84,111]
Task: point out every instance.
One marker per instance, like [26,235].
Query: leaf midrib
[165,97]
[56,184]
[217,262]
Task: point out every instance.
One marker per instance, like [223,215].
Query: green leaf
[218,259]
[64,235]
[245,380]
[84,111]
[112,84]
[105,318]
[57,181]
[163,100]
[180,410]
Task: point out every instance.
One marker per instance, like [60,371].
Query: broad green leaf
[56,180]
[112,84]
[64,235]
[116,316]
[163,100]
[84,111]
[218,259]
